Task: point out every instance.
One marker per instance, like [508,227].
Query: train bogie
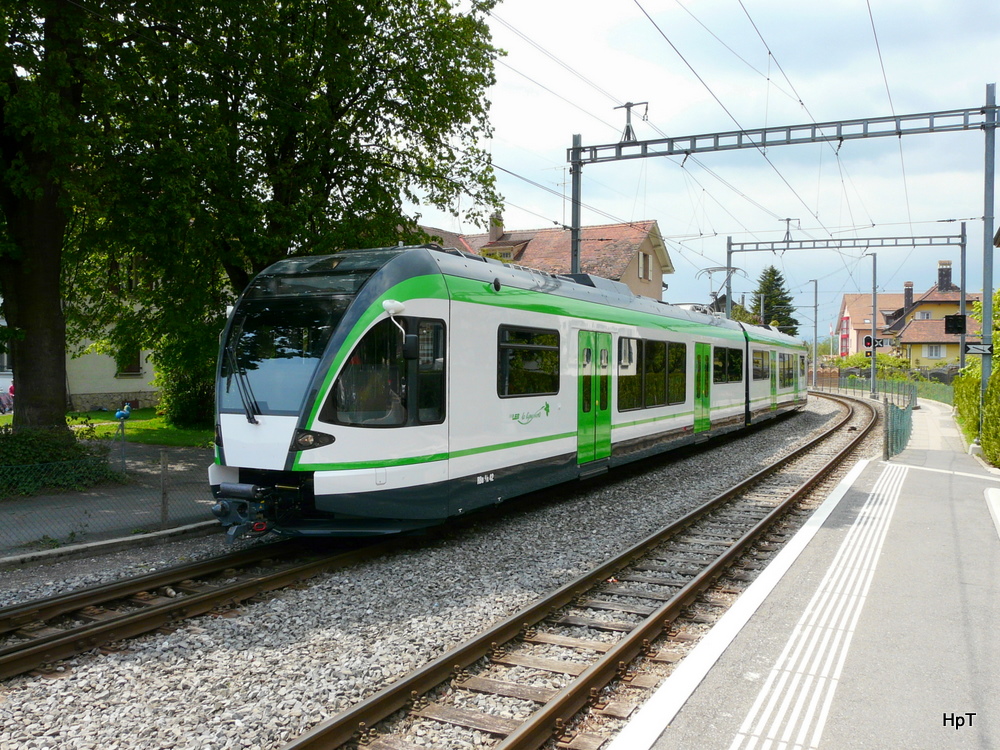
[378,391]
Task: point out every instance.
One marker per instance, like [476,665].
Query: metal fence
[136,489]
[897,430]
[898,397]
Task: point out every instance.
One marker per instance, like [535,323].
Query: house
[917,328]
[632,253]
[856,320]
[925,344]
[908,326]
[96,381]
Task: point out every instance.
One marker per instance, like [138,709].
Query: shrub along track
[588,633]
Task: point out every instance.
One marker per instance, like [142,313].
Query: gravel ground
[268,674]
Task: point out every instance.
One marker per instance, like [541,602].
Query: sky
[707,66]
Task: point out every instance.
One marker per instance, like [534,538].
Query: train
[385,390]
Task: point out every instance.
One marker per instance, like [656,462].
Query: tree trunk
[32,305]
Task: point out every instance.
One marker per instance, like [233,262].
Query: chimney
[944,276]
[907,295]
[496,227]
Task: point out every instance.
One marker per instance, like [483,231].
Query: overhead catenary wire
[725,109]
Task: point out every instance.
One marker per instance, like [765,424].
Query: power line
[724,108]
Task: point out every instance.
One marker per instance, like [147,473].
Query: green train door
[593,433]
[774,381]
[702,387]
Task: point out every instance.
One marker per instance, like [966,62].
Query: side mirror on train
[411,346]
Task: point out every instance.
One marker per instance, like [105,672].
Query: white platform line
[828,622]
[662,707]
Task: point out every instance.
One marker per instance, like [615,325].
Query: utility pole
[815,283]
[576,172]
[990,127]
[874,339]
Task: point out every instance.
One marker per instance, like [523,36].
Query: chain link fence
[898,397]
[137,489]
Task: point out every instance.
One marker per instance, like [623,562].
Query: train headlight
[306,439]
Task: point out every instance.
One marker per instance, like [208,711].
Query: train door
[594,397]
[702,386]
[774,381]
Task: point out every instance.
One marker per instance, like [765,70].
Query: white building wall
[92,382]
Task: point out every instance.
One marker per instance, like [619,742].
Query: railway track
[524,682]
[36,635]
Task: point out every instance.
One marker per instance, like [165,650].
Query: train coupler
[239,508]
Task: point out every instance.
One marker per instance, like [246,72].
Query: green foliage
[185,377]
[967,401]
[35,459]
[773,303]
[887,367]
[742,315]
[184,147]
[967,396]
[991,420]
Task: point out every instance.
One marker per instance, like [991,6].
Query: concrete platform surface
[877,627]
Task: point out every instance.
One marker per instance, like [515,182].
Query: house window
[644,266]
[128,364]
[933,351]
[5,362]
[924,315]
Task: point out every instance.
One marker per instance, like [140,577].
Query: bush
[966,387]
[31,460]
[991,420]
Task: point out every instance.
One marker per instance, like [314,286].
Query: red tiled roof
[605,250]
[447,239]
[932,332]
[859,308]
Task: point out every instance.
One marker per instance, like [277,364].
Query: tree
[43,136]
[772,303]
[208,142]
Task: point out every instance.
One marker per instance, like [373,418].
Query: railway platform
[876,627]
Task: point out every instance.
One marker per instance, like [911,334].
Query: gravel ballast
[278,667]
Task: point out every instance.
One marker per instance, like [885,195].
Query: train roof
[356,266]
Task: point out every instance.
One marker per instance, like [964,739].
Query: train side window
[761,365]
[630,364]
[727,365]
[655,385]
[527,362]
[371,389]
[431,372]
[676,373]
[719,364]
[734,365]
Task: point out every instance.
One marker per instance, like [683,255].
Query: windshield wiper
[250,407]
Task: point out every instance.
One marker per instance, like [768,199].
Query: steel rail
[18,615]
[337,731]
[22,657]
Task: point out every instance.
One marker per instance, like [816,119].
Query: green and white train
[379,391]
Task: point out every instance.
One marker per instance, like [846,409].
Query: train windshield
[283,324]
[273,350]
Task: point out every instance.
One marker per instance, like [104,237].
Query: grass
[143,426]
